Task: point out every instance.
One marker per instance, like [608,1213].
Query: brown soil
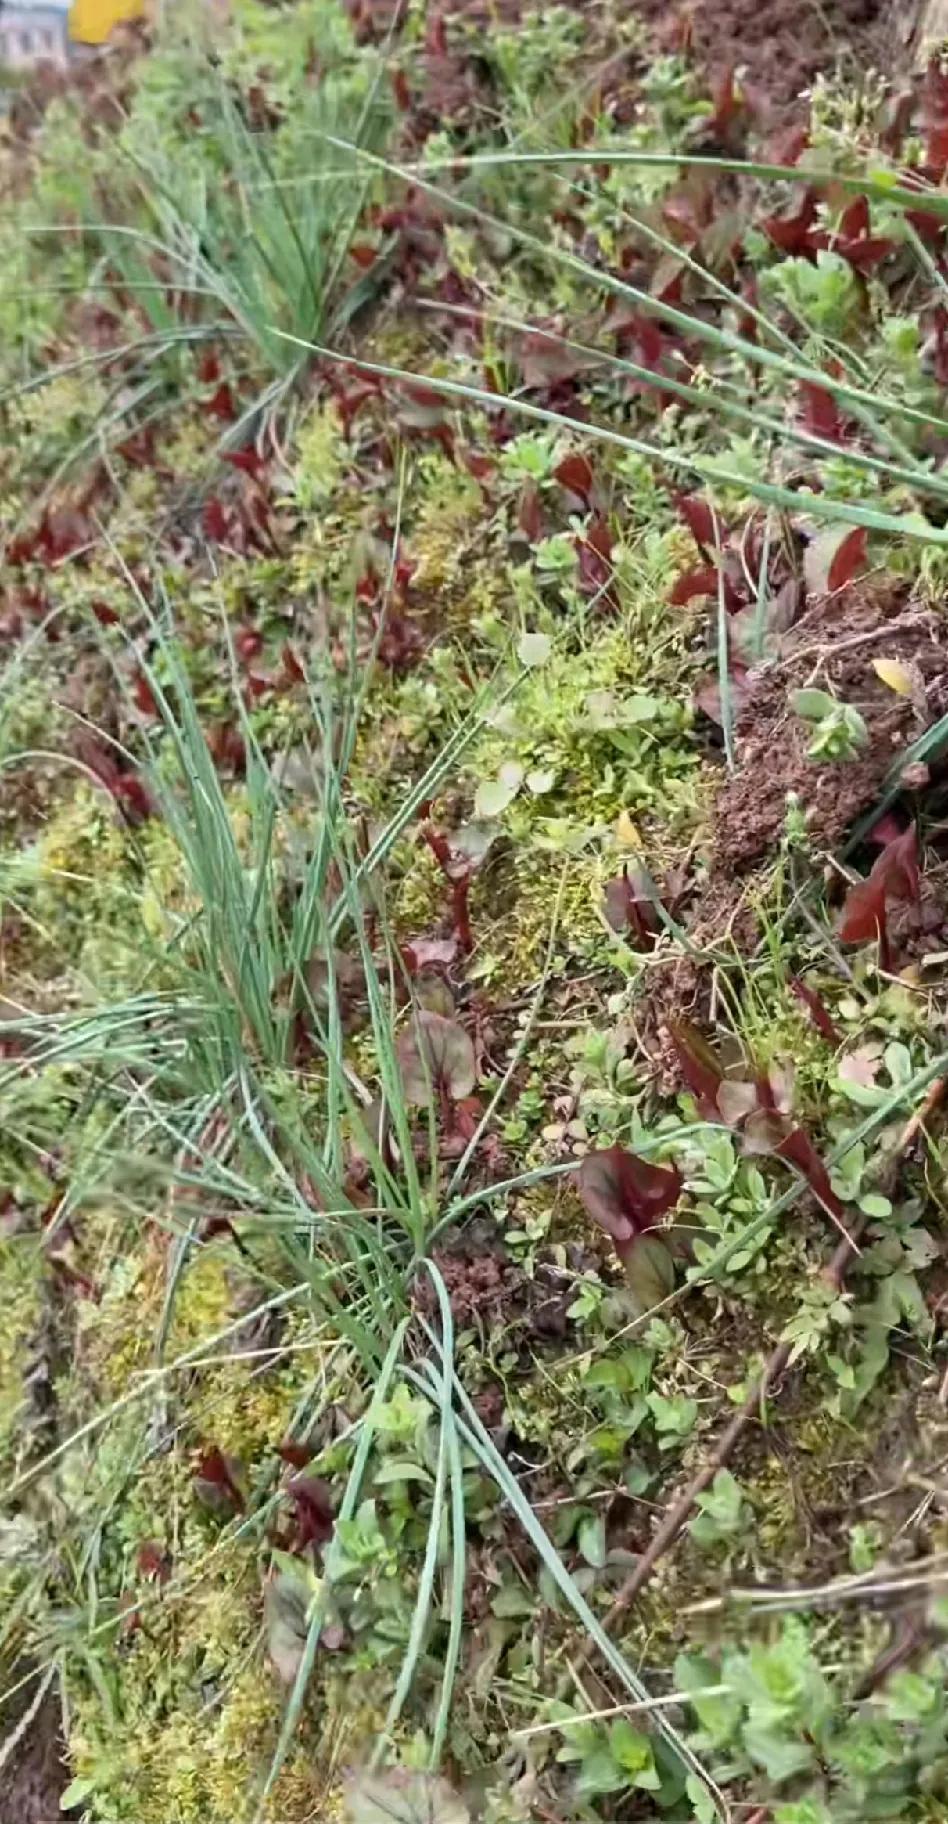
[778,45]
[37,1774]
[833,647]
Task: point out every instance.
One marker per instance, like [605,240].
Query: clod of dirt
[779,45]
[486,1288]
[36,1774]
[833,647]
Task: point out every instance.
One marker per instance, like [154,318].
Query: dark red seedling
[215,1481]
[221,405]
[153,1561]
[791,233]
[575,474]
[312,1511]
[818,413]
[833,558]
[817,1010]
[214,521]
[758,1106]
[691,584]
[248,644]
[632,902]
[894,875]
[437,1063]
[143,696]
[700,520]
[594,550]
[129,793]
[852,239]
[627,1197]
[248,461]
[298,1456]
[459,873]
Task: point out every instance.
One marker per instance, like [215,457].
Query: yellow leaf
[627,835]
[896,675]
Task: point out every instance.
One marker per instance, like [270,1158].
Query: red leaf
[143,696]
[707,694]
[214,520]
[894,875]
[850,556]
[791,232]
[248,644]
[221,405]
[832,558]
[226,747]
[153,1562]
[214,1480]
[820,1016]
[699,519]
[692,583]
[529,514]
[313,1511]
[819,415]
[626,1195]
[854,222]
[699,1066]
[481,467]
[799,1151]
[297,1455]
[133,799]
[248,461]
[429,953]
[594,549]
[630,908]
[727,102]
[293,672]
[401,91]
[575,473]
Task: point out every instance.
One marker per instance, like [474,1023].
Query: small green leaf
[639,709]
[702,1801]
[779,1757]
[674,1418]
[591,1539]
[633,1752]
[494,795]
[534,649]
[872,1203]
[77,1790]
[813,705]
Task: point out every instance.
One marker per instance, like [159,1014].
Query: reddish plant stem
[460,885]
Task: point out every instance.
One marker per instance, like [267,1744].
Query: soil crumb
[832,647]
[780,46]
[36,1775]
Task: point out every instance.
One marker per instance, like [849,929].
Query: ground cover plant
[473,1033]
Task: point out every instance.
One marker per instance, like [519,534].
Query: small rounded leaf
[400,1795]
[534,649]
[436,1057]
[494,795]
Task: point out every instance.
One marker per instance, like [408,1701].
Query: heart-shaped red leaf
[626,1195]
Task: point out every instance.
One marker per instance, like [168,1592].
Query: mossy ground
[167,1287]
